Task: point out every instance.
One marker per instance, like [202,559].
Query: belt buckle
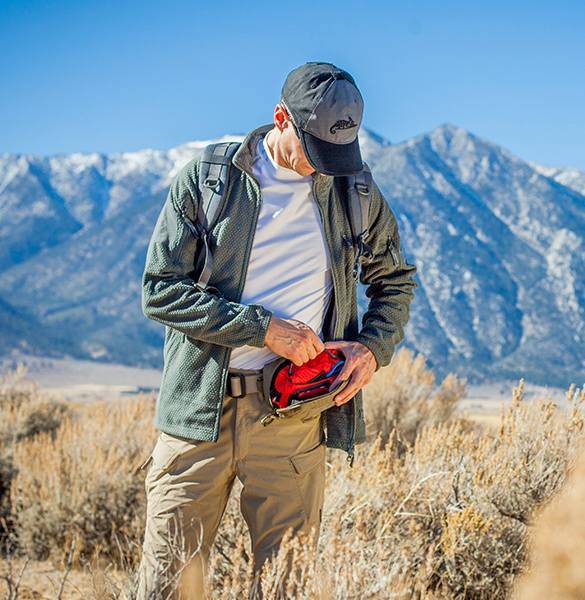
[241,383]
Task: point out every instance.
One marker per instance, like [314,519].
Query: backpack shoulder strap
[359,194]
[214,173]
[215,165]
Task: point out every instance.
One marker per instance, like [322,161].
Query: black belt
[240,384]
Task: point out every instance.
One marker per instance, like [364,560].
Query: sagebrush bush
[403,397]
[80,487]
[445,516]
[24,412]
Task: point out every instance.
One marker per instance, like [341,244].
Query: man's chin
[305,170]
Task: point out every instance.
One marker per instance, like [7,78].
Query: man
[282,285]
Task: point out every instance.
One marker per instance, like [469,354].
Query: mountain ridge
[498,242]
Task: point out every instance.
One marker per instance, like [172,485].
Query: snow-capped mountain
[572,178]
[499,244]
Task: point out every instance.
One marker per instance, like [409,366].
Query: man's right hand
[293,339]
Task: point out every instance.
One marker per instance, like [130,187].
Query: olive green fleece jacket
[202,326]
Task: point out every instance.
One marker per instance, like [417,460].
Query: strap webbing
[213,182]
[359,192]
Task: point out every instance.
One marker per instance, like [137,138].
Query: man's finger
[346,394]
[311,352]
[345,373]
[319,345]
[317,349]
[333,344]
[351,390]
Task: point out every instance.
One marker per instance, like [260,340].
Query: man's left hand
[360,365]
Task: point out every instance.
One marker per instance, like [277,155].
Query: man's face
[294,150]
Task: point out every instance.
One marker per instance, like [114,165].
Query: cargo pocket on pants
[142,465]
[163,455]
[308,470]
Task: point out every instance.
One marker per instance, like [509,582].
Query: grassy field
[442,501]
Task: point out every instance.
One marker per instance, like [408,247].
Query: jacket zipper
[330,248]
[228,352]
[392,249]
[350,450]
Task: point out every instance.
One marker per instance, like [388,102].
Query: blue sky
[113,76]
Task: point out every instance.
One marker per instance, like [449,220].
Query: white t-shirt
[290,270]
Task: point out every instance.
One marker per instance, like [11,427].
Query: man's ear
[280,116]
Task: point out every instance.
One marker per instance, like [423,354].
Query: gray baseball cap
[326,110]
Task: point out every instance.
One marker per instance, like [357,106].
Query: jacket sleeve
[170,295]
[390,284]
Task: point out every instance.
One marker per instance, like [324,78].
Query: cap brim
[332,159]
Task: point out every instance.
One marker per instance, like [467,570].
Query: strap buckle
[365,251]
[362,188]
[267,419]
[236,383]
[213,183]
[195,228]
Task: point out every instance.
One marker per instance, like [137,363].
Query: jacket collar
[246,153]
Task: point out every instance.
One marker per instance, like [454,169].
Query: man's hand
[293,339]
[360,366]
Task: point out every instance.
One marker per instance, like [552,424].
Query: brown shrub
[24,412]
[80,485]
[24,409]
[403,397]
[448,518]
[557,545]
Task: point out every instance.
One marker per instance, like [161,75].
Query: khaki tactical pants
[187,483]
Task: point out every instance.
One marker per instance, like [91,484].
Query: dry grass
[435,506]
[25,409]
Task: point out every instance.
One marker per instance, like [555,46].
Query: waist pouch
[304,410]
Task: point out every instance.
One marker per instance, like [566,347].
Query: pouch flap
[310,408]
